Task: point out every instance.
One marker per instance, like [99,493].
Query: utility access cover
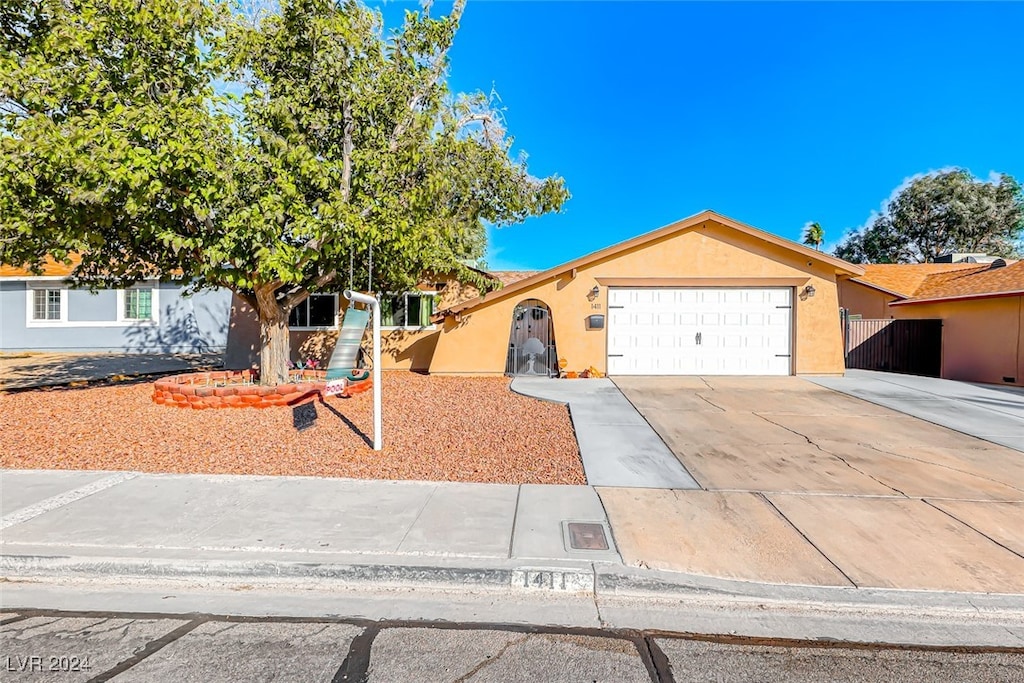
[587,536]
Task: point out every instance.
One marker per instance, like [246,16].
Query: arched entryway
[531,342]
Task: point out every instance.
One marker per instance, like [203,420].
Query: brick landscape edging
[201,390]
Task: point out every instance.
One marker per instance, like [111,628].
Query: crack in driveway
[835,455]
[938,464]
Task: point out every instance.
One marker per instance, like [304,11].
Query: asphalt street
[83,646]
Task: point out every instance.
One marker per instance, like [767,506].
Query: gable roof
[904,279]
[679,226]
[976,282]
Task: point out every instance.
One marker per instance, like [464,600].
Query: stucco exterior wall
[868,302]
[191,324]
[478,342]
[401,349]
[982,339]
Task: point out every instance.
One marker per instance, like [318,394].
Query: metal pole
[374,305]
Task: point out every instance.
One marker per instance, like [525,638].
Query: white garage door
[699,331]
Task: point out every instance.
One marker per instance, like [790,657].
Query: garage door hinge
[782,355]
[783,307]
[616,307]
[615,355]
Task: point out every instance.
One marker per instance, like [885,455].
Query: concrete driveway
[803,484]
[990,412]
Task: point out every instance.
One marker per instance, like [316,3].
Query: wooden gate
[912,347]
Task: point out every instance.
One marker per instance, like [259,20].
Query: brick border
[202,390]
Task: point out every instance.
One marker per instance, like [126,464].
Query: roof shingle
[978,281]
[905,279]
[51,268]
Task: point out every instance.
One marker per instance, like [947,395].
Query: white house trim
[48,283]
[30,304]
[154,319]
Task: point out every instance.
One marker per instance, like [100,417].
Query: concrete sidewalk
[989,412]
[126,514]
[67,536]
[617,445]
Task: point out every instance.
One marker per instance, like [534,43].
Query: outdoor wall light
[809,291]
[594,292]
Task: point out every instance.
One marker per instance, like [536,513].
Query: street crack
[491,660]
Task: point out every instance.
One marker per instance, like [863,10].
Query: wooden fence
[912,347]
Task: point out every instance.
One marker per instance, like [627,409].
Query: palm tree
[814,235]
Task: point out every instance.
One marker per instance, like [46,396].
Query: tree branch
[435,74]
[346,151]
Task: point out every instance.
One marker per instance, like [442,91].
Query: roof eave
[841,266]
[961,297]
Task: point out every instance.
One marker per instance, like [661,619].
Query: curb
[537,578]
[590,580]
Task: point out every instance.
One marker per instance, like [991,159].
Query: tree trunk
[275,346]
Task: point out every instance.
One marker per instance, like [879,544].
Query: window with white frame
[138,304]
[411,309]
[316,311]
[46,304]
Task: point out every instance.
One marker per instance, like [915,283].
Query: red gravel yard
[435,428]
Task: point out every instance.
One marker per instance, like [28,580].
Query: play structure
[344,377]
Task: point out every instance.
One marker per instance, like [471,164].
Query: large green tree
[343,142]
[942,212]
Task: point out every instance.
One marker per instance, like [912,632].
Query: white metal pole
[378,422]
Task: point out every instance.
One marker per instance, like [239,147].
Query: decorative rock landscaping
[235,389]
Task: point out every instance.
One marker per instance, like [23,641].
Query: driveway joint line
[658,434]
[807,538]
[972,528]
[63,499]
[419,514]
[834,455]
[515,518]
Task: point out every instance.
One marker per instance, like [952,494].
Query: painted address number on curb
[546,579]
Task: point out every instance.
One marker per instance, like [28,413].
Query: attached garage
[705,296]
[699,331]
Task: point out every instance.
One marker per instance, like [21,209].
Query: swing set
[343,377]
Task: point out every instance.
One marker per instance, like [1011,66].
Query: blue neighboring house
[43,313]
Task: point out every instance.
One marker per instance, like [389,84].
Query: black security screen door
[531,344]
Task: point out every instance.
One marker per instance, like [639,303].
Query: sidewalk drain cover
[584,536]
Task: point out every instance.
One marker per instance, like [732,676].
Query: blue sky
[775,114]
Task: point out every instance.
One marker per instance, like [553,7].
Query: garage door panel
[740,331]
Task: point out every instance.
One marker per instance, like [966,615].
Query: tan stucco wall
[400,349]
[868,302]
[478,342]
[982,339]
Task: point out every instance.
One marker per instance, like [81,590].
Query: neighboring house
[981,306]
[705,295]
[42,313]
